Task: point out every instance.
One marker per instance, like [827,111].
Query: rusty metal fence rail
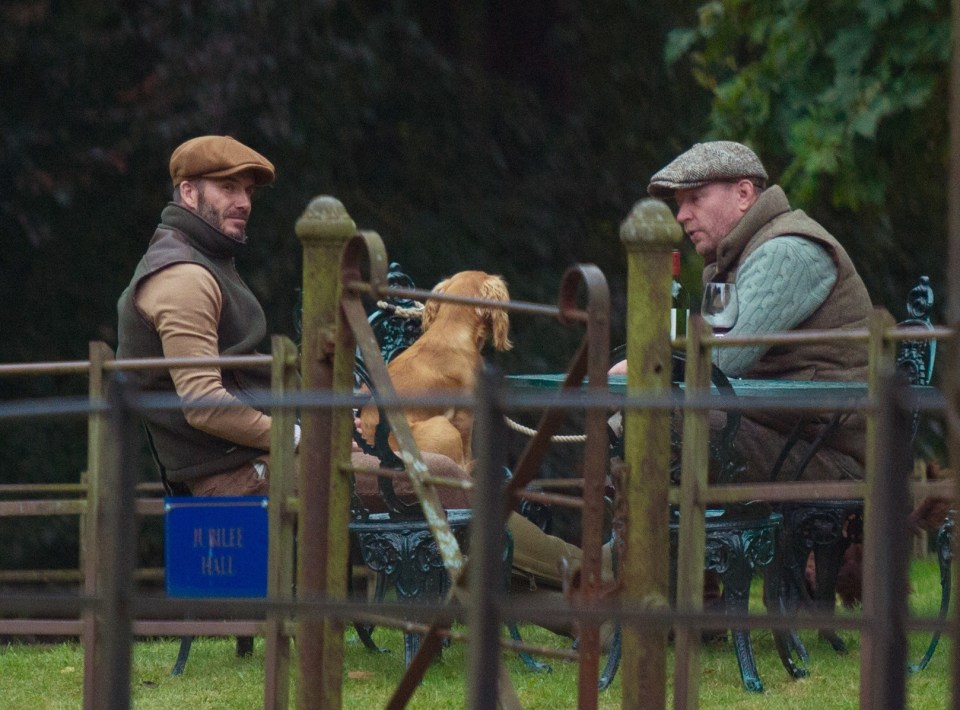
[310,501]
[109,614]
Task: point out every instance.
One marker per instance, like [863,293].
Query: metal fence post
[879,366]
[649,234]
[487,541]
[883,649]
[323,492]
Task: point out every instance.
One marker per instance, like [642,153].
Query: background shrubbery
[511,137]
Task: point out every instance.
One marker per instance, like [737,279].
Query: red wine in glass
[720,306]
[720,309]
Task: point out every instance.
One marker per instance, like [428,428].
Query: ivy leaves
[821,87]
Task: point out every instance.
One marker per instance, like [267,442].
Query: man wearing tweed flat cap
[718,161]
[791,274]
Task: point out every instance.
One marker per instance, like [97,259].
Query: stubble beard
[209,213]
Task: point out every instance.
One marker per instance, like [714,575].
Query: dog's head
[493,323]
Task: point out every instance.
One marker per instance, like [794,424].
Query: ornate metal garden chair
[741,539]
[826,529]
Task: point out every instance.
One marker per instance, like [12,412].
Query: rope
[557,439]
[415,312]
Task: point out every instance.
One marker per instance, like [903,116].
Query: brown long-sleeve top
[183,302]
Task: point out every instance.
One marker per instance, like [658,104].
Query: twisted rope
[557,438]
[415,312]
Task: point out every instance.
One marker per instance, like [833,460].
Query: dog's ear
[494,288]
[431,307]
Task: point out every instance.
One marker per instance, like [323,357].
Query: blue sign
[216,547]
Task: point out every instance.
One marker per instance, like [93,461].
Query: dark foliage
[510,137]
[505,136]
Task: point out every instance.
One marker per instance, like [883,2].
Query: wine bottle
[679,310]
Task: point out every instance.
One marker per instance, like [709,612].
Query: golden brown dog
[446,357]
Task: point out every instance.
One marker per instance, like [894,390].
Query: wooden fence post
[649,234]
[691,537]
[116,556]
[323,492]
[97,448]
[281,525]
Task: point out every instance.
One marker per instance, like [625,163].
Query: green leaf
[850,49]
[678,43]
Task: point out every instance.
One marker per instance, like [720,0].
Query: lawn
[49,677]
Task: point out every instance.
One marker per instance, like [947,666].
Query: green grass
[50,677]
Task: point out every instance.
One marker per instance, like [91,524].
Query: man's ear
[746,194]
[190,194]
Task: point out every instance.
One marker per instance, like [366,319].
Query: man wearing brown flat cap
[790,274]
[186,299]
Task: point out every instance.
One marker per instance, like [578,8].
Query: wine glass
[720,308]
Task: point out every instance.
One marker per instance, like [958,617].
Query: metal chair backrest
[915,358]
[396,326]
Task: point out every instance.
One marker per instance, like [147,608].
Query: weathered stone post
[649,234]
[322,537]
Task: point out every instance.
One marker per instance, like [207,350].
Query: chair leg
[411,644]
[944,557]
[365,634]
[828,559]
[613,660]
[826,529]
[779,594]
[375,593]
[529,661]
[244,646]
[182,655]
[737,594]
[244,649]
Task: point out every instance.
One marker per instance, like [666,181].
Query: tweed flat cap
[716,161]
[218,156]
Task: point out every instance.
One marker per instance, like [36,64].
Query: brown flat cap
[218,156]
[716,161]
